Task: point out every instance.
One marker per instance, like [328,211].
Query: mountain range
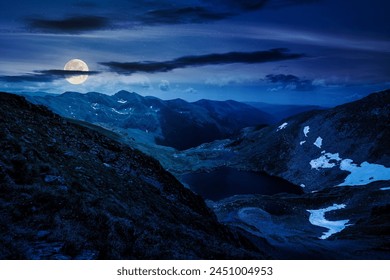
[174,123]
[338,158]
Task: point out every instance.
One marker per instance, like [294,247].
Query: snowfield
[324,161]
[317,218]
[363,174]
[360,175]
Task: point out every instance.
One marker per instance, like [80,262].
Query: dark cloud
[70,25]
[243,5]
[152,13]
[202,60]
[181,15]
[285,3]
[253,5]
[211,11]
[290,82]
[45,76]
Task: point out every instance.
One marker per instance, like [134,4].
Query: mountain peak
[127,95]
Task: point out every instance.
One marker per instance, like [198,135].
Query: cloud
[190,90]
[148,13]
[211,10]
[70,25]
[243,5]
[285,3]
[290,82]
[254,5]
[181,15]
[45,76]
[164,85]
[201,60]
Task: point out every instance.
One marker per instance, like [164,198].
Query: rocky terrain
[338,158]
[68,192]
[345,145]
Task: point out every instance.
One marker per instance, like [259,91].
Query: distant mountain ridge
[282,111]
[175,123]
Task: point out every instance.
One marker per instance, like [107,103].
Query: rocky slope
[175,123]
[68,192]
[322,149]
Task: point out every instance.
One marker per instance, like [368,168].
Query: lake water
[226,181]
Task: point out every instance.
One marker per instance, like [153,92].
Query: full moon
[76,65]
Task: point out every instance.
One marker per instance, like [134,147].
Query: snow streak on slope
[282,126]
[306,130]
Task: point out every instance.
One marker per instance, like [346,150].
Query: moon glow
[76,65]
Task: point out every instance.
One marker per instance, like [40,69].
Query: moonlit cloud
[290,82]
[202,60]
[164,85]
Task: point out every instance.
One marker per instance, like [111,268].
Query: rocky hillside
[67,192]
[340,157]
[345,145]
[174,123]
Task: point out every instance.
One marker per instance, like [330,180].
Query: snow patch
[302,142]
[385,189]
[306,130]
[317,218]
[303,186]
[324,161]
[364,174]
[122,101]
[95,106]
[282,126]
[318,142]
[116,111]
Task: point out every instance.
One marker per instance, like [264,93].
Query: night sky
[323,52]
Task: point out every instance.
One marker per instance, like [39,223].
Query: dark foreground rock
[283,220]
[67,192]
